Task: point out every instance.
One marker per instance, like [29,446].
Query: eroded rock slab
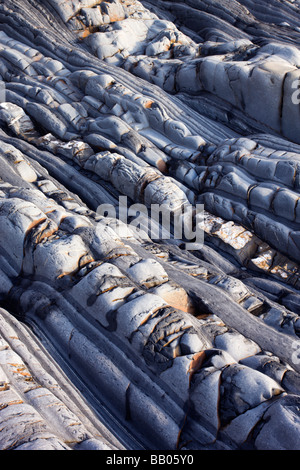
[172,103]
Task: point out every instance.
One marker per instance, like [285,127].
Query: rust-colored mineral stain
[180,431]
[196,364]
[21,371]
[162,166]
[180,301]
[34,223]
[15,402]
[3,387]
[37,58]
[148,104]
[83,34]
[5,405]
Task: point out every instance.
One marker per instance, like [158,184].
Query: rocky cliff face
[118,338]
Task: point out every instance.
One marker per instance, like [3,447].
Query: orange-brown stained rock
[20,369]
[196,363]
[4,386]
[148,104]
[162,166]
[84,33]
[177,298]
[14,402]
[34,223]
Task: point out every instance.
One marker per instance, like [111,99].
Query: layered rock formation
[112,337]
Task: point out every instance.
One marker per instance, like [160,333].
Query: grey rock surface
[114,338]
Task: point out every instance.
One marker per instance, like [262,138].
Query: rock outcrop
[113,336]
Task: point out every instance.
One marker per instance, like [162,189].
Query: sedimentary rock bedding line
[147,344]
[124,302]
[37,396]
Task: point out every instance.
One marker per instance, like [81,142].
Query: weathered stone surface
[184,103]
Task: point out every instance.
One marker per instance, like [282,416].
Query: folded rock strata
[111,338]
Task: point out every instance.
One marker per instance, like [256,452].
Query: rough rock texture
[111,337]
